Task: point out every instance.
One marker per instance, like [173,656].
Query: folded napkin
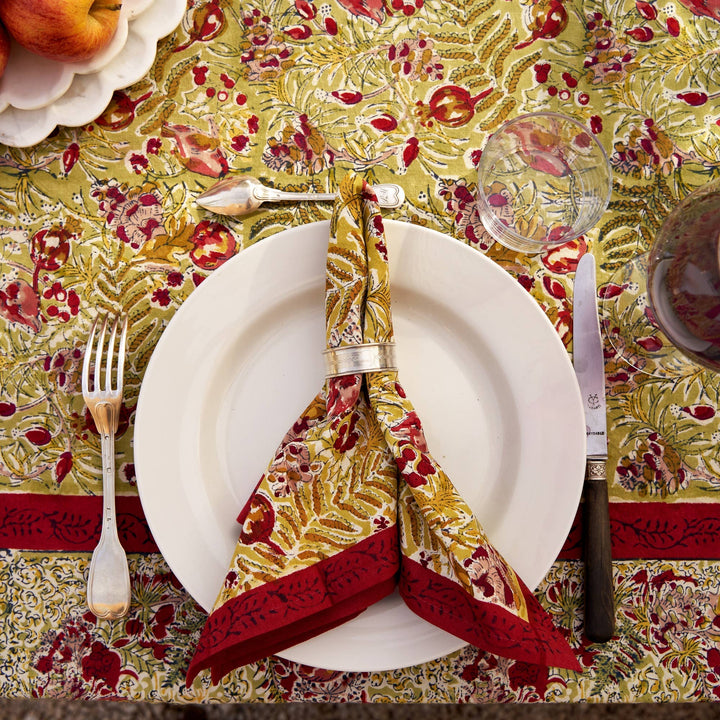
[353,504]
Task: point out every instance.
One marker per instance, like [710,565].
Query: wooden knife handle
[599,591]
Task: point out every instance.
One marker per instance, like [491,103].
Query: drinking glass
[543,180]
[665,317]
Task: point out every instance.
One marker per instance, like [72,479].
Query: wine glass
[665,318]
[543,180]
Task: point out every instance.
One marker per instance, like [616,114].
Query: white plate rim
[317,652]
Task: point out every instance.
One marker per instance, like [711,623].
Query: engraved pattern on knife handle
[599,590]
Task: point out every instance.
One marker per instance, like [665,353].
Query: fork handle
[107,444]
[109,589]
[107,422]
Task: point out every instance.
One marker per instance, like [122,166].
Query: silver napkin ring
[351,359]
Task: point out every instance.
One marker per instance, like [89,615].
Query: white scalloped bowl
[38,94]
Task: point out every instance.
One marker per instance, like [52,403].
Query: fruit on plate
[4,49]
[64,30]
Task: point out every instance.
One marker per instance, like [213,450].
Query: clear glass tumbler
[543,179]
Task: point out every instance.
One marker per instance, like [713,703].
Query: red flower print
[137,162]
[414,466]
[50,248]
[101,666]
[265,54]
[239,142]
[641,34]
[373,10]
[542,70]
[301,149]
[343,392]
[70,157]
[548,19]
[63,466]
[651,343]
[646,9]
[695,99]
[19,304]
[214,244]
[208,21]
[120,113]
[200,74]
[384,123]
[564,258]
[63,369]
[164,616]
[415,59]
[521,675]
[197,151]
[461,204]
[299,32]
[450,105]
[652,468]
[410,151]
[554,288]
[347,97]
[161,296]
[291,467]
[700,412]
[608,57]
[704,8]
[137,217]
[305,9]
[410,429]
[7,409]
[347,435]
[38,436]
[258,520]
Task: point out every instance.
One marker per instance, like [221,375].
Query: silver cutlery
[589,368]
[242,194]
[108,591]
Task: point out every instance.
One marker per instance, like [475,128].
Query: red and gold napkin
[353,504]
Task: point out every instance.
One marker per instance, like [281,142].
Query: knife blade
[589,368]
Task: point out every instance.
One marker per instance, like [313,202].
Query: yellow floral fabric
[298,93]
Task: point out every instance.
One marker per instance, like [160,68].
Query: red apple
[65,30]
[4,49]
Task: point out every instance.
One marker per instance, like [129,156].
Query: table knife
[589,369]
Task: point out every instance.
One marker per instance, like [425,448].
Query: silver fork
[108,591]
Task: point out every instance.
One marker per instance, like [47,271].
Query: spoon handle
[267,194]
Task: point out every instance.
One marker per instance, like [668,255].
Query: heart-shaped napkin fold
[353,504]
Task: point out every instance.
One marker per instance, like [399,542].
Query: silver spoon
[242,194]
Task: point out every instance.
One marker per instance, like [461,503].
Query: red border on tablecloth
[647,530]
[56,523]
[656,530]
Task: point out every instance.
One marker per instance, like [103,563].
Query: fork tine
[99,353]
[86,359]
[110,357]
[121,353]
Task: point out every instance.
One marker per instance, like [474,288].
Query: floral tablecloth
[102,216]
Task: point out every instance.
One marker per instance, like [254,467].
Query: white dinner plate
[241,359]
[37,94]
